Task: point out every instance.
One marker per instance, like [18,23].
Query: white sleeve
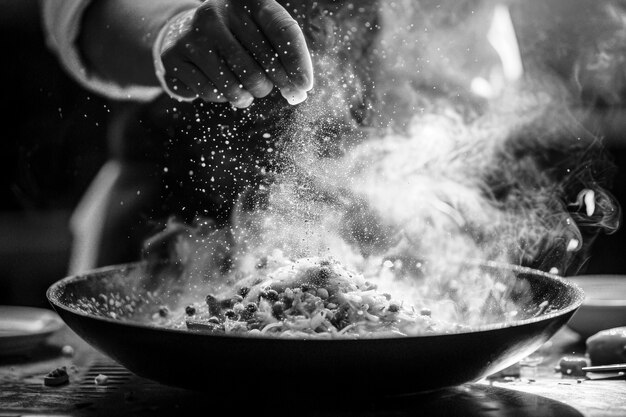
[62,23]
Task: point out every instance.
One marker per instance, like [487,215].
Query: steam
[433,176]
[502,37]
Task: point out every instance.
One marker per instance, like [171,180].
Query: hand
[235,50]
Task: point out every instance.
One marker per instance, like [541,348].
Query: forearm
[117,37]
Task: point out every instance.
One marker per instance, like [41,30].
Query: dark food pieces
[573,366]
[56,377]
[307,298]
[101,379]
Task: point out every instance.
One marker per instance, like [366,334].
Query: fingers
[247,70]
[236,52]
[286,39]
[253,40]
[179,88]
[217,72]
[194,80]
[188,81]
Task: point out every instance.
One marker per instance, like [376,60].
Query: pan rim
[54,290]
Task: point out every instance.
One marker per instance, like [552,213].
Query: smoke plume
[398,169]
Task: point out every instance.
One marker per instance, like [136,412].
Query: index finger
[287,40]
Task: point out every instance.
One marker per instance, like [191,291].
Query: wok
[97,304]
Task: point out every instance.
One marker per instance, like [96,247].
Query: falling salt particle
[165,169]
[67,351]
[293,97]
[573,245]
[266,136]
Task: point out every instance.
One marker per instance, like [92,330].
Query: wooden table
[538,392]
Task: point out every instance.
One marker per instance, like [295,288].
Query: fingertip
[245,100]
[301,80]
[264,89]
[306,82]
[302,76]
[213,98]
[293,96]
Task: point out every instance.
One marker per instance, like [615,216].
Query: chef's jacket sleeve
[62,24]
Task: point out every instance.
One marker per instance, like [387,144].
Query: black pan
[234,364]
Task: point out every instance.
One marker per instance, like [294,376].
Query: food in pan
[306,298]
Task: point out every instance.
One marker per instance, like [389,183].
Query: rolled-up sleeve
[62,24]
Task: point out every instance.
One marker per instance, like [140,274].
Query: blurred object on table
[604,306]
[52,144]
[608,347]
[23,329]
[34,252]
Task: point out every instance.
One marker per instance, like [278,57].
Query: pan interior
[128,293]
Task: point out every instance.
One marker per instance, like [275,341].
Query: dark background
[53,141]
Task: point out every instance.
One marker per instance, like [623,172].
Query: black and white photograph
[313,208]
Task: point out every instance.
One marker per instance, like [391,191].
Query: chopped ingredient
[202,326]
[573,366]
[278,310]
[212,304]
[271,295]
[243,291]
[101,379]
[67,351]
[322,293]
[56,377]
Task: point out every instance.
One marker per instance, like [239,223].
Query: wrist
[165,39]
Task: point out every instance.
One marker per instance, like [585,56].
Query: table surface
[538,391]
